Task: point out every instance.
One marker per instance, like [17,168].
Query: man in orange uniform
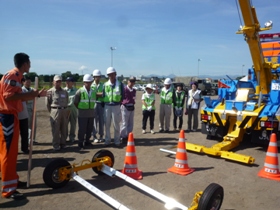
[11,98]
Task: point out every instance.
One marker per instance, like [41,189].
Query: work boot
[100,139]
[56,148]
[16,196]
[88,144]
[21,184]
[81,145]
[25,151]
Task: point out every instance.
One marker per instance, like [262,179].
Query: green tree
[41,77]
[32,76]
[65,75]
[47,78]
[76,77]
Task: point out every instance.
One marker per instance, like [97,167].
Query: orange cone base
[268,175]
[134,175]
[180,171]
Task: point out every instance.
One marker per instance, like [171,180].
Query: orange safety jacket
[9,130]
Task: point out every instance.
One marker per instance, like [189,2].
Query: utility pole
[112,49]
[198,67]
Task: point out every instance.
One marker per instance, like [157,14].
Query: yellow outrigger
[249,106]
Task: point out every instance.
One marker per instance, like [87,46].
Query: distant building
[148,79]
[142,78]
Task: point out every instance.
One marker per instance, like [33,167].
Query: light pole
[198,67]
[112,49]
[242,69]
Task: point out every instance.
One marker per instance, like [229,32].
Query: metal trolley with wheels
[59,172]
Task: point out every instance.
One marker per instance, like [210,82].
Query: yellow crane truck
[247,108]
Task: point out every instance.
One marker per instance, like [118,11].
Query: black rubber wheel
[213,92]
[100,154]
[51,176]
[211,198]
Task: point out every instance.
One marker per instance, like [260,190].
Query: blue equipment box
[239,105]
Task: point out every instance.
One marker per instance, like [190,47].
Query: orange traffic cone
[130,162]
[181,162]
[271,168]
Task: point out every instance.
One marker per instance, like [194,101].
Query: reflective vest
[98,89]
[179,100]
[149,101]
[166,97]
[112,94]
[85,101]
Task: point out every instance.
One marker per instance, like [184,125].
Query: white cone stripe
[271,166]
[130,154]
[8,128]
[130,165]
[181,161]
[181,150]
[273,144]
[8,133]
[130,143]
[271,154]
[181,140]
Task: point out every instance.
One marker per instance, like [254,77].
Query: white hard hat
[96,73]
[167,81]
[150,86]
[111,70]
[87,78]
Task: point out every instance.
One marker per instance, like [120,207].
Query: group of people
[171,99]
[95,106]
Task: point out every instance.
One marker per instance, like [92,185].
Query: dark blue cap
[70,79]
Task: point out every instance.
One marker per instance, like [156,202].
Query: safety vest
[149,101]
[166,97]
[98,89]
[112,94]
[85,101]
[179,100]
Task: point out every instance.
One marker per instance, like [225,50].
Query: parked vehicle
[245,109]
[205,87]
[214,88]
[137,87]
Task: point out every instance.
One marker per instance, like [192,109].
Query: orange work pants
[9,134]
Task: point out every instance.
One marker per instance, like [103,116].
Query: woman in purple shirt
[127,109]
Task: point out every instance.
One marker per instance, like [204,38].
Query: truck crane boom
[251,31]
[248,108]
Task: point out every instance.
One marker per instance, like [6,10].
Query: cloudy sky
[181,37]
